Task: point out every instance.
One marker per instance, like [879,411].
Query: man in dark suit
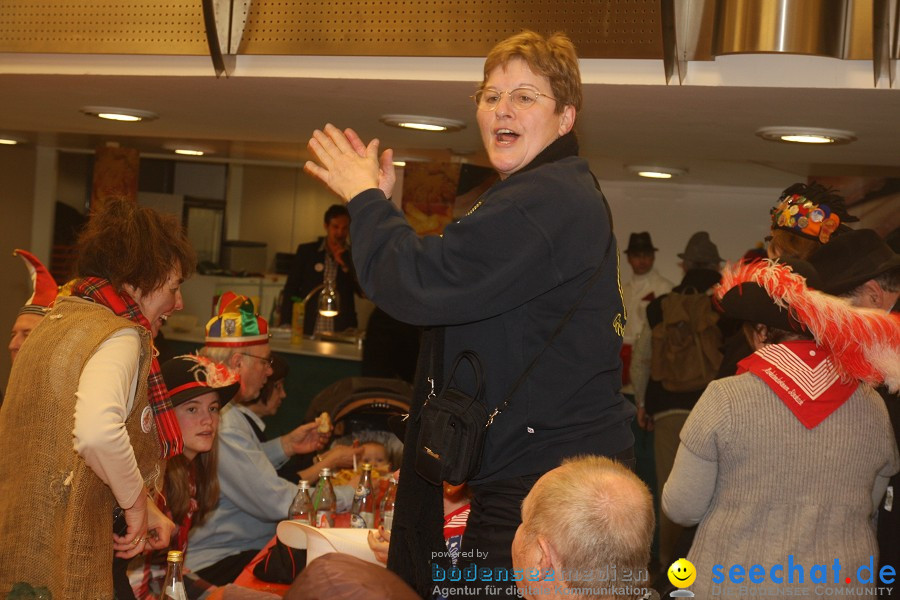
[326,259]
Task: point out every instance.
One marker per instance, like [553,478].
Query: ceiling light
[8,140]
[422,123]
[399,163]
[806,135]
[654,172]
[113,113]
[189,152]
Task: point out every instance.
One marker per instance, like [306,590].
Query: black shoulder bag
[454,424]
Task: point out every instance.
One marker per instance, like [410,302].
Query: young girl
[198,389]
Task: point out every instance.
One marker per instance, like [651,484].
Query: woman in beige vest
[87,420]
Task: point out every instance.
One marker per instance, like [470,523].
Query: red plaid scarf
[100,291]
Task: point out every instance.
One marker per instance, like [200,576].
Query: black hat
[189,376]
[750,302]
[701,250]
[852,259]
[640,242]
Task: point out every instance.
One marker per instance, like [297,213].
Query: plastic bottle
[362,513]
[387,504]
[173,587]
[324,501]
[301,508]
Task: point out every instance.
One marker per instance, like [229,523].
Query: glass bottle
[362,513]
[301,508]
[324,501]
[298,315]
[173,587]
[387,504]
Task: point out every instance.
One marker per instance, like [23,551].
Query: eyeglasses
[521,98]
[269,361]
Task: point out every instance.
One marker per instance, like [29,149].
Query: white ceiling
[267,109]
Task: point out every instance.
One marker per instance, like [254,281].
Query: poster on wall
[436,194]
[874,200]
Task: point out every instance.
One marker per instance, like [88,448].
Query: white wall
[737,218]
[18,172]
[282,207]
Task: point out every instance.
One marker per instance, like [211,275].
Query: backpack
[686,344]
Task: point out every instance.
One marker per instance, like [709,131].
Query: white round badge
[147,420]
[319,267]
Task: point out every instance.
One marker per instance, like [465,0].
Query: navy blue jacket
[499,281]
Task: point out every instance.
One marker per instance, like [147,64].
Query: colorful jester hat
[236,324]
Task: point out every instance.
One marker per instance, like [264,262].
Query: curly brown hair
[553,57]
[127,243]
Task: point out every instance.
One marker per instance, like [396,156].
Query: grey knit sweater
[764,488]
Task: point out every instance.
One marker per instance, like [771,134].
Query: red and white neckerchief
[803,376]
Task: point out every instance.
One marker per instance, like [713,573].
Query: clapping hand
[346,165]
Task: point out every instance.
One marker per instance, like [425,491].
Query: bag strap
[559,327]
[437,348]
[562,323]
[475,363]
[436,368]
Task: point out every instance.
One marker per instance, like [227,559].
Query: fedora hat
[640,242]
[750,302]
[864,342]
[852,259]
[189,376]
[700,249]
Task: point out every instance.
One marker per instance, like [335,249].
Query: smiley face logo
[682,573]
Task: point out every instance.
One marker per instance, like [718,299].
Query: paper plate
[322,541]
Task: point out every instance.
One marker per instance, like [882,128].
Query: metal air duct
[815,27]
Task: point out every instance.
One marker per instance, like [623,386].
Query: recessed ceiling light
[422,123]
[189,152]
[654,172]
[8,140]
[399,163]
[806,135]
[113,113]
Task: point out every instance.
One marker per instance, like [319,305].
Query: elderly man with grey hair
[864,269]
[252,497]
[586,532]
[861,267]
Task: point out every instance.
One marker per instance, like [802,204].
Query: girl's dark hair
[178,485]
[127,243]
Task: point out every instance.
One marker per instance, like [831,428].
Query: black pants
[228,569]
[495,516]
[121,585]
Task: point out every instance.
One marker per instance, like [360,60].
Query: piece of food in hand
[324,423]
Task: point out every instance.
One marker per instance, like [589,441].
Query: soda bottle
[173,587]
[324,501]
[387,504]
[301,508]
[362,513]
